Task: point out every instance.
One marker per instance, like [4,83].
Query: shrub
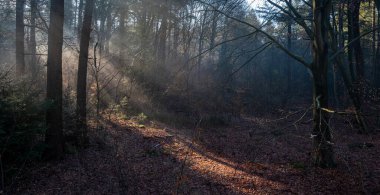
[21,126]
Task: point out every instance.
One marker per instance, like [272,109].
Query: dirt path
[253,156]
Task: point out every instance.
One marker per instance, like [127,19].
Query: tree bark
[377,57]
[20,33]
[163,37]
[33,44]
[80,19]
[109,21]
[82,74]
[350,47]
[323,154]
[359,59]
[122,37]
[287,94]
[213,29]
[374,20]
[54,134]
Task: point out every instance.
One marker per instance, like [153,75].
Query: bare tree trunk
[334,68]
[359,59]
[20,33]
[33,44]
[122,35]
[350,47]
[80,19]
[176,33]
[163,37]
[374,20]
[213,29]
[200,44]
[54,134]
[82,74]
[323,154]
[287,94]
[108,29]
[102,31]
[377,57]
[349,85]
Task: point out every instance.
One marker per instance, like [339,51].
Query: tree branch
[279,45]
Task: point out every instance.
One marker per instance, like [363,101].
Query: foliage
[21,125]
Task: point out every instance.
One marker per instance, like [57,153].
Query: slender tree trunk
[200,45]
[213,29]
[20,33]
[350,47]
[122,35]
[341,24]
[54,134]
[102,32]
[80,19]
[323,154]
[374,20]
[359,59]
[82,73]
[377,57]
[108,29]
[176,33]
[163,37]
[288,63]
[334,67]
[33,44]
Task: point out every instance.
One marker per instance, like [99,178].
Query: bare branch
[279,45]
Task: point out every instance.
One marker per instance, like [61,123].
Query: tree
[377,53]
[322,153]
[80,19]
[82,73]
[354,32]
[54,133]
[33,44]
[20,60]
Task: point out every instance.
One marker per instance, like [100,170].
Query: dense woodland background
[189,96]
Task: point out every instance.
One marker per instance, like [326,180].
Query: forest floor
[255,155]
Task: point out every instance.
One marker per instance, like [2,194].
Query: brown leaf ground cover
[255,155]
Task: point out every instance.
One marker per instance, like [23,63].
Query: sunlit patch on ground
[249,158]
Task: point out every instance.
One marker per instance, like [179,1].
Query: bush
[21,126]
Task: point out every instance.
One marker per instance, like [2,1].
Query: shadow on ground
[253,156]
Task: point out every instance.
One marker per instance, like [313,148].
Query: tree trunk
[287,94]
[176,33]
[359,59]
[213,29]
[102,32]
[54,134]
[20,33]
[374,20]
[163,37]
[122,37]
[200,45]
[33,44]
[377,57]
[80,19]
[82,74]
[108,29]
[323,154]
[350,47]
[355,98]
